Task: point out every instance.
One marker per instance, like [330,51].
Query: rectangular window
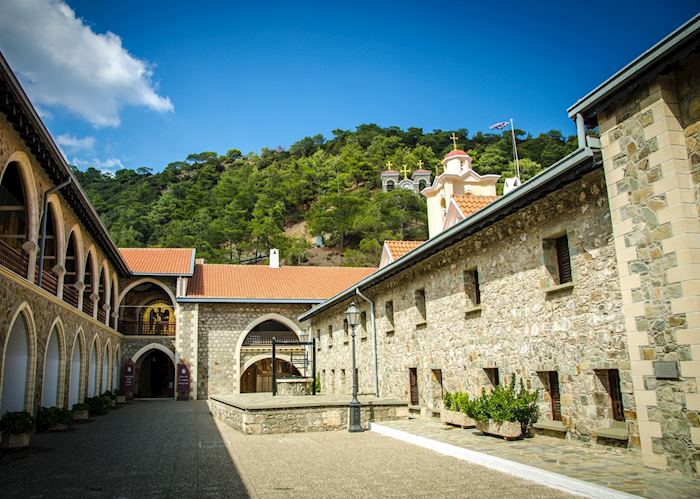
[413,385]
[492,373]
[420,304]
[343,381]
[615,392]
[389,311]
[471,287]
[563,259]
[330,334]
[363,324]
[346,332]
[555,399]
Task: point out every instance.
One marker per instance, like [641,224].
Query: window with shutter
[413,385]
[563,259]
[555,399]
[615,395]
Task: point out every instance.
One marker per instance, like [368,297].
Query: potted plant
[97,405]
[112,398]
[80,412]
[17,428]
[121,398]
[53,419]
[455,409]
[505,411]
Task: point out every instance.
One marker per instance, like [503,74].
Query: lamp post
[353,315]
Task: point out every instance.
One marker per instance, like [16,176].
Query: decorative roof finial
[454,141]
[405,171]
[420,164]
[389,164]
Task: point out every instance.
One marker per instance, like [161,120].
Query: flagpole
[515,151]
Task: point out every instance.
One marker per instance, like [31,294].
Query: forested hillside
[235,207]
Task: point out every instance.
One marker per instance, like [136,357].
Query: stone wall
[651,159]
[524,325]
[46,313]
[220,328]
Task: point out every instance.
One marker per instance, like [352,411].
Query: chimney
[274,258]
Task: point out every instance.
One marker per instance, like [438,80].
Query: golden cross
[420,164]
[405,171]
[389,164]
[454,141]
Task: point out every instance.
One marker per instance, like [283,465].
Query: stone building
[583,282]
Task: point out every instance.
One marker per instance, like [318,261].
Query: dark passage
[155,376]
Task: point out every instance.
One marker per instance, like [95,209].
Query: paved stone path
[618,470]
[176,449]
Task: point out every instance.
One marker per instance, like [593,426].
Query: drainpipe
[580,131]
[374,340]
[42,240]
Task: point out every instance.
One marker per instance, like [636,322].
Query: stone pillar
[115,319]
[94,297]
[106,307]
[60,272]
[31,249]
[657,243]
[80,287]
[186,340]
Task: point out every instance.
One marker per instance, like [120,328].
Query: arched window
[263,333]
[390,185]
[48,280]
[15,368]
[52,371]
[76,371]
[422,184]
[88,280]
[13,220]
[70,294]
[105,369]
[116,369]
[102,295]
[92,371]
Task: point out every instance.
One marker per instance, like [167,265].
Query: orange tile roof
[159,261]
[469,203]
[260,282]
[400,248]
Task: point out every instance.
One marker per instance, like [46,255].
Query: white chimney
[274,258]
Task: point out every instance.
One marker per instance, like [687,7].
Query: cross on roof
[454,140]
[389,164]
[420,164]
[405,171]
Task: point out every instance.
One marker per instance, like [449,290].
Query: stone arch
[153,346]
[54,371]
[264,356]
[60,228]
[105,384]
[116,367]
[91,259]
[114,305]
[77,370]
[167,290]
[93,385]
[239,344]
[103,290]
[77,234]
[30,191]
[21,363]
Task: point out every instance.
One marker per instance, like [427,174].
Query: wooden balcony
[87,306]
[70,295]
[101,315]
[13,259]
[140,328]
[49,281]
[265,337]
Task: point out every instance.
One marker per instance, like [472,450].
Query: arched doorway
[155,375]
[92,371]
[76,362]
[105,368]
[258,377]
[52,371]
[15,368]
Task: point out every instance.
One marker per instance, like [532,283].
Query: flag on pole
[499,126]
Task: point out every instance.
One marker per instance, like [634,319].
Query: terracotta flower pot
[456,418]
[81,415]
[510,430]
[15,440]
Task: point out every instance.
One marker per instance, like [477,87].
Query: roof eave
[203,299]
[561,173]
[673,42]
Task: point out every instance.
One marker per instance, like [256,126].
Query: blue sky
[186,77]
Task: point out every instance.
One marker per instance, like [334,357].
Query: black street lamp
[353,315]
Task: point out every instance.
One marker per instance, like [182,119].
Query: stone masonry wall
[651,161]
[522,326]
[219,329]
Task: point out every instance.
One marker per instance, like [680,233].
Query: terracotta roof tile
[260,282]
[456,152]
[400,248]
[469,203]
[159,261]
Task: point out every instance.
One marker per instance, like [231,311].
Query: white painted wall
[14,376]
[116,371]
[51,371]
[74,396]
[105,371]
[92,372]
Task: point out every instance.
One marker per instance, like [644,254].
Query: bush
[506,403]
[318,383]
[16,422]
[52,416]
[98,405]
[457,401]
[109,394]
[80,407]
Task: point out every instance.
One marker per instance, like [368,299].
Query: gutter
[374,340]
[565,171]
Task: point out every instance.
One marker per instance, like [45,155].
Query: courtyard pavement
[613,468]
[176,449]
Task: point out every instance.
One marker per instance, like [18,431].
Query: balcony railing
[101,315]
[265,337]
[87,305]
[49,282]
[147,328]
[13,259]
[70,295]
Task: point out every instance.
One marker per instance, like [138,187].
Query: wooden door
[413,385]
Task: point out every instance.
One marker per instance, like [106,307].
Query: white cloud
[63,62]
[72,143]
[109,165]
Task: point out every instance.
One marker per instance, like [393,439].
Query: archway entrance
[16,368]
[155,375]
[258,377]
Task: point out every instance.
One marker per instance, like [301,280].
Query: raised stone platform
[261,413]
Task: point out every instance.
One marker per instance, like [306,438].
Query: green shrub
[447,401]
[506,403]
[52,416]
[98,405]
[109,394]
[80,407]
[16,422]
[456,401]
